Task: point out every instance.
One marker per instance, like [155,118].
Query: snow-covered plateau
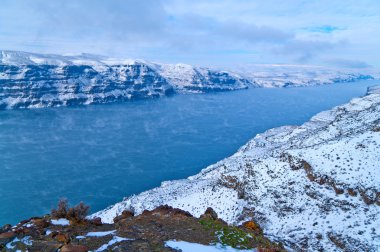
[314,187]
[30,80]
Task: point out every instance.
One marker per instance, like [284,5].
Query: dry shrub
[61,211]
[77,213]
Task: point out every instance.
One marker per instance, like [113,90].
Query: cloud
[303,51]
[194,31]
[252,33]
[111,19]
[346,63]
[85,25]
[323,29]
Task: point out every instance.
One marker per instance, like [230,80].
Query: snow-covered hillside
[30,80]
[189,79]
[315,187]
[301,75]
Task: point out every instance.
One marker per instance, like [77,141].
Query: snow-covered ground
[313,187]
[61,222]
[192,247]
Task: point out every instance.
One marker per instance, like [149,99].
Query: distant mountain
[30,80]
[314,187]
[301,75]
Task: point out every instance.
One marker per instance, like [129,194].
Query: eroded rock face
[31,86]
[313,187]
[29,80]
[146,232]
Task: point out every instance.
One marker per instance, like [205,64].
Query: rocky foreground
[314,187]
[149,231]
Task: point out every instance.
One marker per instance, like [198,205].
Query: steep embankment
[29,80]
[314,186]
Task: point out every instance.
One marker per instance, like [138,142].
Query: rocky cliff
[29,80]
[34,80]
[314,187]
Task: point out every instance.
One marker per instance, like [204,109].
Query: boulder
[63,238]
[124,215]
[209,213]
[5,228]
[6,237]
[74,248]
[97,221]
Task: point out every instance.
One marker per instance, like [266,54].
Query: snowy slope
[30,80]
[187,78]
[313,187]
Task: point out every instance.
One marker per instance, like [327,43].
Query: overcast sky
[342,33]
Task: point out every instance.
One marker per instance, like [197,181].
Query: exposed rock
[74,248]
[253,226]
[124,215]
[40,223]
[97,221]
[145,232]
[63,238]
[5,228]
[209,213]
[6,237]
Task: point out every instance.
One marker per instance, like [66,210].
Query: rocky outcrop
[148,231]
[314,187]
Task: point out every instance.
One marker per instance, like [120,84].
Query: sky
[340,33]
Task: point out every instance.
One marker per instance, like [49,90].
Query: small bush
[77,213]
[61,211]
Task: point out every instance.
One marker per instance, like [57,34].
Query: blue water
[101,153]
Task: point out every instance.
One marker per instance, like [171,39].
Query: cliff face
[29,80]
[28,86]
[34,80]
[314,186]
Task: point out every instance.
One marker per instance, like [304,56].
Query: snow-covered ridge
[314,187]
[30,80]
[270,75]
[17,58]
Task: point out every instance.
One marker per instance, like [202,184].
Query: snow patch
[191,247]
[115,239]
[61,222]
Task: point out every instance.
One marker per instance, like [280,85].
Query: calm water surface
[99,154]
